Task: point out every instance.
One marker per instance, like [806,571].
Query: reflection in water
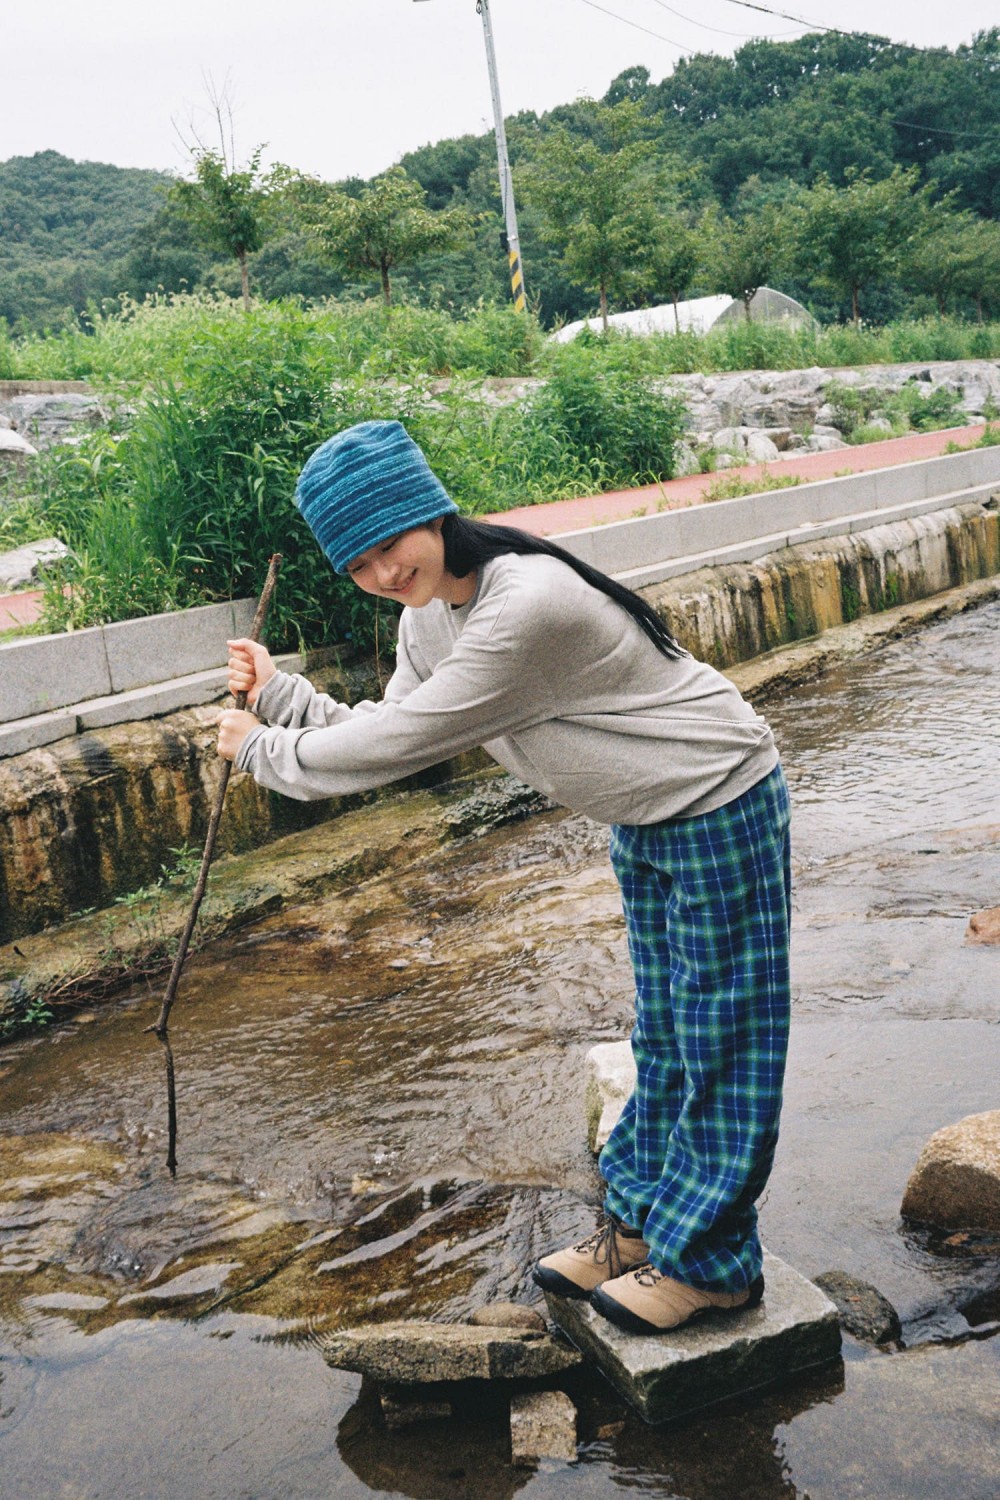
[380,1113]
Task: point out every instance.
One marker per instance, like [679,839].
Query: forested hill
[66,230]
[739,131]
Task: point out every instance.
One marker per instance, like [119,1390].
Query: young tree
[745,253]
[945,260]
[386,225]
[225,206]
[599,204]
[860,233]
[675,255]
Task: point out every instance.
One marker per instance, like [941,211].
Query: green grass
[732,486]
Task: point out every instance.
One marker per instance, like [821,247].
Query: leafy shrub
[618,425]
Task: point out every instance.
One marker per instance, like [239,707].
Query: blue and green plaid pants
[707,908]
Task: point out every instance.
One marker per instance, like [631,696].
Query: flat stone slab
[417,1353]
[715,1356]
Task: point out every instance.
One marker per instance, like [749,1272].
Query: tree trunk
[979,306]
[747,299]
[604,307]
[855,309]
[677,314]
[386,289]
[940,303]
[244,279]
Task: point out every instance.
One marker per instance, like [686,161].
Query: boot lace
[602,1246]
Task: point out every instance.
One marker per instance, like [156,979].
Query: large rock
[24,564]
[714,1357]
[47,417]
[417,1353]
[984,926]
[13,445]
[956,1181]
[760,448]
[609,1080]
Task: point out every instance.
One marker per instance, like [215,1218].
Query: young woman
[574,685]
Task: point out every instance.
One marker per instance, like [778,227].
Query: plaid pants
[707,907]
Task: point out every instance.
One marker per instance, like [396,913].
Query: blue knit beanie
[367,483]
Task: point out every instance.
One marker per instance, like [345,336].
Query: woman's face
[410,567]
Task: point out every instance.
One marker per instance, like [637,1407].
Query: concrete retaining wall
[57,685]
[650,549]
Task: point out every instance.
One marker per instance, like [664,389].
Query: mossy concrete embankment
[730,614]
[89,819]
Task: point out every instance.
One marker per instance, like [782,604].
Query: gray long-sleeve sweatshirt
[554,679]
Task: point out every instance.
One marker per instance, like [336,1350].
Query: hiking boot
[646,1301]
[611,1250]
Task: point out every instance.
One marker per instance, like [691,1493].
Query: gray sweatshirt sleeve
[487,686]
[292,702]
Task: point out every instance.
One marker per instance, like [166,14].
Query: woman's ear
[437,523]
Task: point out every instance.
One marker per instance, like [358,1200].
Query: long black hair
[468,544]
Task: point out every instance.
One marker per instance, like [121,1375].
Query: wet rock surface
[863,1311]
[542,1425]
[956,1181]
[413,1353]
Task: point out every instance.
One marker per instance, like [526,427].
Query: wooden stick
[159,1027]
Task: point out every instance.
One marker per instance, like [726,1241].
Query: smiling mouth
[401,588]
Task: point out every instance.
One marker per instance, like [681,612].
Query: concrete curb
[57,685]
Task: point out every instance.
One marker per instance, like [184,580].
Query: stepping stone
[418,1353]
[715,1356]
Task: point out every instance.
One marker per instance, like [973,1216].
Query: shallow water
[380,1116]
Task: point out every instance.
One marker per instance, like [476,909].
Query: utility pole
[509,239]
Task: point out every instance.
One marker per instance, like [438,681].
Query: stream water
[380,1116]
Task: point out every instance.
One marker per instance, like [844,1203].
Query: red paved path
[674,494]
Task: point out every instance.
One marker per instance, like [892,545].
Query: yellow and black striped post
[516,279]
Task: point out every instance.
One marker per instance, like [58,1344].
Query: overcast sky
[345,87]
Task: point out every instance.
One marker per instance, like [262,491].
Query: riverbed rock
[508,1315]
[542,1425]
[984,926]
[862,1309]
[956,1181]
[609,1080]
[416,1353]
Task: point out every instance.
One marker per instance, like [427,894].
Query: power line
[625,21]
[744,35]
[861,36]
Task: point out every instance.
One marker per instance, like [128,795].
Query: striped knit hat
[367,483]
